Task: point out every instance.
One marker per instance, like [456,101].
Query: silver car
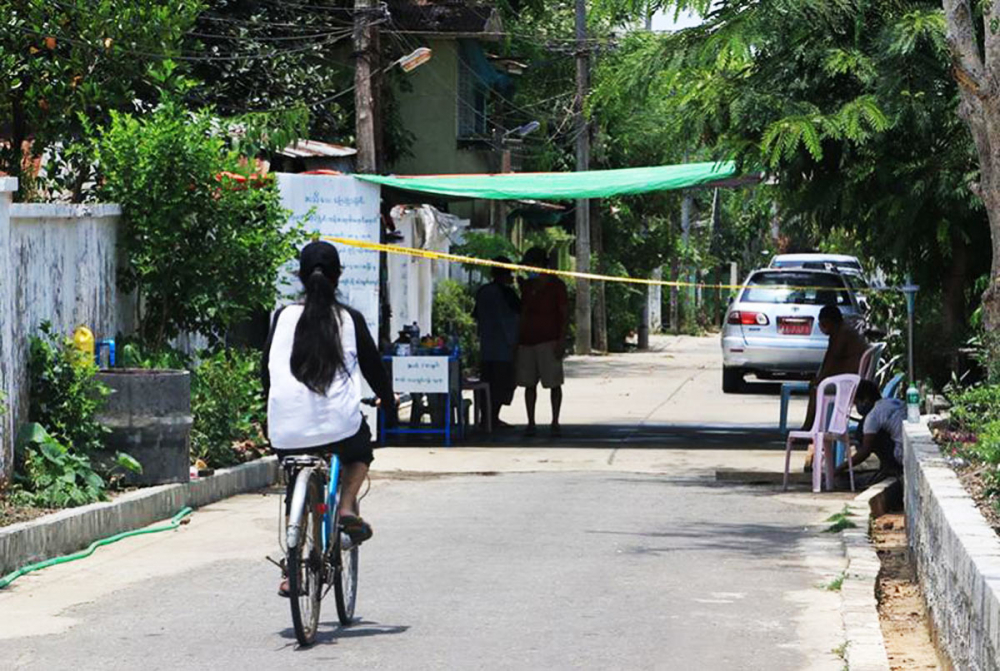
[772,327]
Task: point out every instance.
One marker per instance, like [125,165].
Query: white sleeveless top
[298,417]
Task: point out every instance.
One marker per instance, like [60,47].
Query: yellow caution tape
[458,258]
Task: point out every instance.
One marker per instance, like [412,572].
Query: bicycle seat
[301,460]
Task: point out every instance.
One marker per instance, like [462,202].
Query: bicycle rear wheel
[345,579]
[305,567]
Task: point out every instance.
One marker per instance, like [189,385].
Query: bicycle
[315,557]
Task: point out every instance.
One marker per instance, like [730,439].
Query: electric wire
[187,57]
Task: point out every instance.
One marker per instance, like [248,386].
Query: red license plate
[795,326]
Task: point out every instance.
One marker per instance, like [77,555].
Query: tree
[73,60]
[204,237]
[272,56]
[976,52]
[849,106]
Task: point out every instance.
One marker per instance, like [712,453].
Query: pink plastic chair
[834,398]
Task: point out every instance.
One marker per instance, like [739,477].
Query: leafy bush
[551,238]
[976,407]
[975,433]
[624,304]
[451,314]
[52,475]
[53,466]
[133,355]
[204,241]
[65,395]
[482,245]
[228,406]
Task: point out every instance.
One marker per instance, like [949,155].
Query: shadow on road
[331,632]
[758,540]
[610,436]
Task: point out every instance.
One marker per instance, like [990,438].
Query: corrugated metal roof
[316,149]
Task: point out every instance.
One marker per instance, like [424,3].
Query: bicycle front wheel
[345,582]
[305,567]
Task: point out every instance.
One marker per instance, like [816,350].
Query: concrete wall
[957,556]
[57,264]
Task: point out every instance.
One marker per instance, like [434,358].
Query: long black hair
[317,353]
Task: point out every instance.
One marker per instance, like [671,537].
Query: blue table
[424,375]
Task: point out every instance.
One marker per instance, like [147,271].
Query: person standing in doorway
[497,313]
[542,342]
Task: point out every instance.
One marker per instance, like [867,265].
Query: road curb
[72,529]
[865,649]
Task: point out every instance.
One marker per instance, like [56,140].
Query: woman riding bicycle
[314,359]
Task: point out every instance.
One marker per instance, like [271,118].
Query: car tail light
[744,318]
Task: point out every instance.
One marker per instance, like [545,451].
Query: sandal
[283,588]
[356,528]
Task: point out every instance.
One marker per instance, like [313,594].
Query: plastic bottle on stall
[912,405]
[414,338]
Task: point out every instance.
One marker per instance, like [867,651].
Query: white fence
[57,264]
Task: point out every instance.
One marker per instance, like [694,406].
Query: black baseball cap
[319,254]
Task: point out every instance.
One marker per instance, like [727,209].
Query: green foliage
[69,62]
[624,305]
[202,248]
[227,401]
[52,475]
[483,245]
[551,239]
[973,408]
[296,55]
[131,354]
[65,396]
[975,433]
[836,584]
[850,107]
[451,315]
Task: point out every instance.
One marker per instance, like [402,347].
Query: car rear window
[796,288]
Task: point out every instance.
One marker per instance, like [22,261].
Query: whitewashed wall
[57,264]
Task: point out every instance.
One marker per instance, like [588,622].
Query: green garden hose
[174,522]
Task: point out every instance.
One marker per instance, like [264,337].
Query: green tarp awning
[562,185]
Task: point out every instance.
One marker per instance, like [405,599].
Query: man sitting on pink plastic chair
[843,355]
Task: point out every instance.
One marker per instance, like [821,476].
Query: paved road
[556,560]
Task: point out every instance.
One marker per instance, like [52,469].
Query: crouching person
[881,430]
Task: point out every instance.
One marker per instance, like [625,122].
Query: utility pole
[364,112]
[600,334]
[675,265]
[583,341]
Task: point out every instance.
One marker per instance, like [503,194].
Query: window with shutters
[472,98]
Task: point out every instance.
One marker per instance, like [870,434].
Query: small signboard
[420,374]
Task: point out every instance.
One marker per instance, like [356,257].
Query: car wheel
[732,380]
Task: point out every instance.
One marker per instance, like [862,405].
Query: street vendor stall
[428,368]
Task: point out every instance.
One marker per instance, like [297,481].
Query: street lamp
[524,130]
[414,59]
